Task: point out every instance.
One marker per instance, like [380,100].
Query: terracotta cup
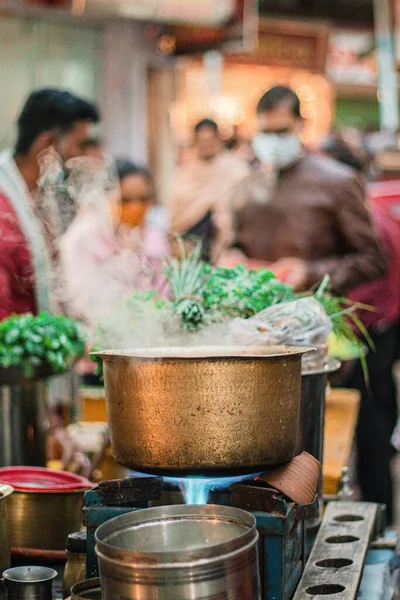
[297,479]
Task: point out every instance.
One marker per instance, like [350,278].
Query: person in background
[202,189]
[378,408]
[110,251]
[137,200]
[312,221]
[50,119]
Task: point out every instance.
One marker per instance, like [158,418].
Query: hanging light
[166,44]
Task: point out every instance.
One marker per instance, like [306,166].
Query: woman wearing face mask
[110,251]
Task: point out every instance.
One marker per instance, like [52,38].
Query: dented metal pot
[203,410]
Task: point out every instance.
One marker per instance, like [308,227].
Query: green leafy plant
[242,293]
[29,343]
[186,278]
[201,294]
[346,322]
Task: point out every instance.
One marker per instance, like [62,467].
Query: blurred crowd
[80,230]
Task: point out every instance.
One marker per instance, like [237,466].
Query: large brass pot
[208,409]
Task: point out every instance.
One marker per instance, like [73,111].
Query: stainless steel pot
[179,552]
[312,412]
[5,545]
[312,422]
[23,422]
[208,409]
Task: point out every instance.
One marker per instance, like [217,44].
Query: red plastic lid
[40,479]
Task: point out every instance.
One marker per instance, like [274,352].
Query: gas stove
[284,541]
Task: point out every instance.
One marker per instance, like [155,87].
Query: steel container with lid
[179,552]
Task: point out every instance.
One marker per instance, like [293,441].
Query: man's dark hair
[206,124]
[125,167]
[51,110]
[276,96]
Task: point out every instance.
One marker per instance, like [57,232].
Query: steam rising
[94,265]
[142,325]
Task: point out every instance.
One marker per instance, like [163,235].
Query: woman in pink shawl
[110,251]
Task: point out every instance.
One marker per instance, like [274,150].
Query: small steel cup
[29,583]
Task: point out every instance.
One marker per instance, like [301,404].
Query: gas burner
[257,496]
[128,491]
[241,492]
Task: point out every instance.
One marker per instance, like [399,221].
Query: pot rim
[51,492]
[13,571]
[173,512]
[86,585]
[205,352]
[331,366]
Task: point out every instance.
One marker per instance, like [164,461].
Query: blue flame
[196,490]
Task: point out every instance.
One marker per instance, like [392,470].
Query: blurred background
[156,67]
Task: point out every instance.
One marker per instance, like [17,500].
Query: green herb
[241,293]
[29,342]
[202,294]
[186,278]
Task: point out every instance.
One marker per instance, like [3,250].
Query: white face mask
[279,151]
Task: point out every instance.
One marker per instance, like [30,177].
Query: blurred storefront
[352,68]
[104,60]
[286,52]
[154,75]
[35,52]
[101,49]
[234,108]
[334,71]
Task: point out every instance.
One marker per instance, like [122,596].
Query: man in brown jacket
[312,221]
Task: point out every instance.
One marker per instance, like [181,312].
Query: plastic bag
[301,322]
